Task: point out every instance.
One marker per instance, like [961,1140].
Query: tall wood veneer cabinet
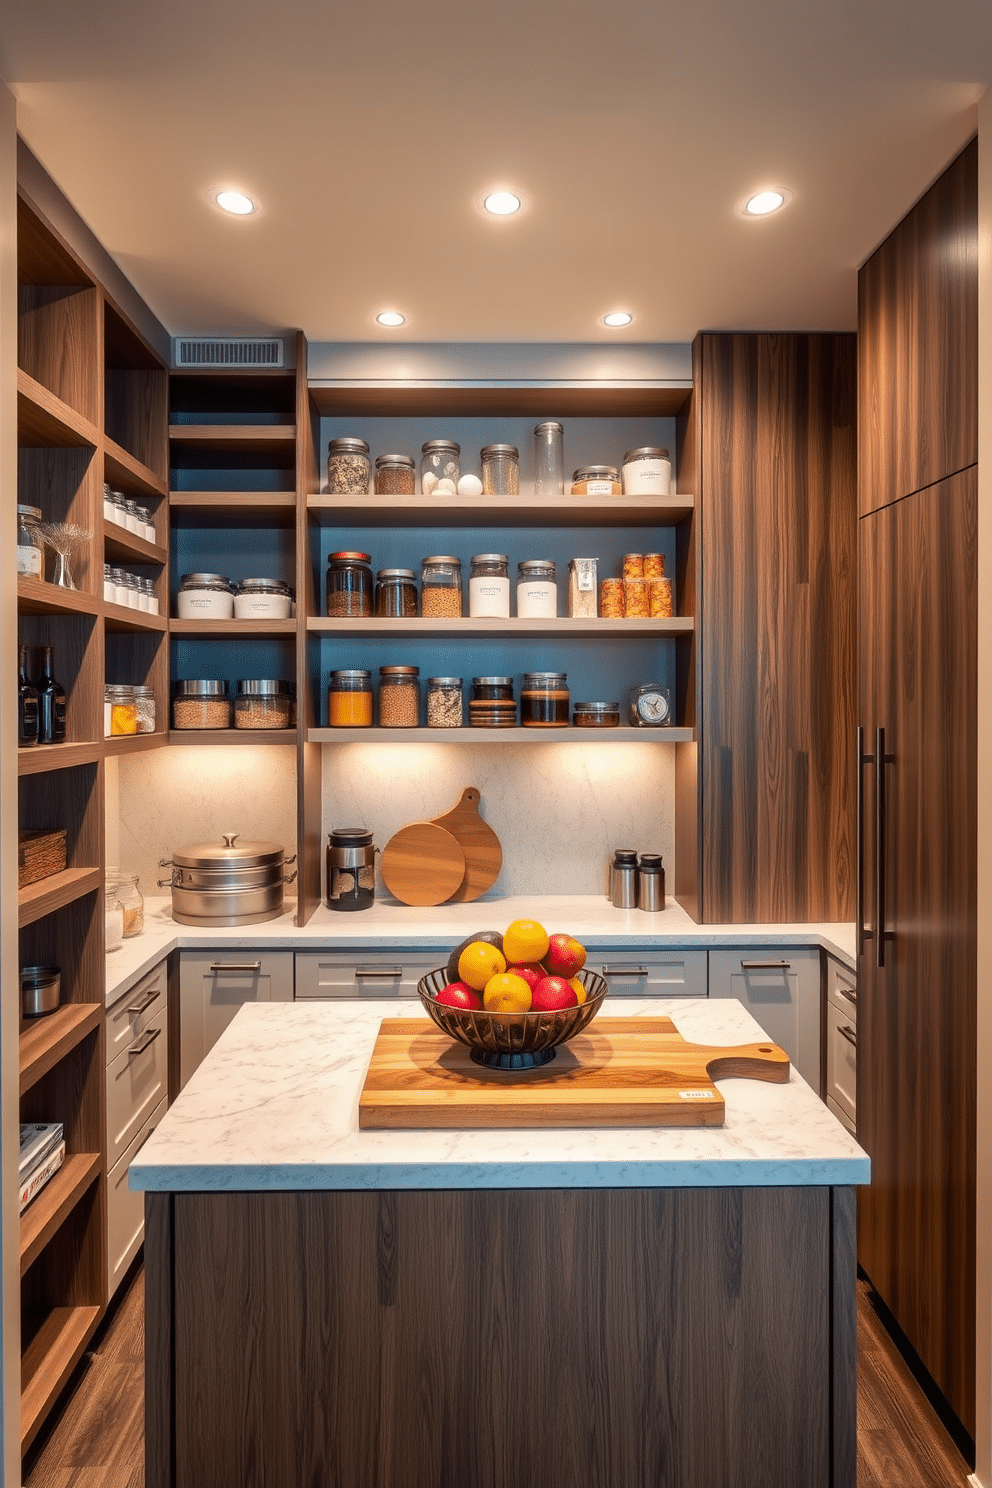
[917,963]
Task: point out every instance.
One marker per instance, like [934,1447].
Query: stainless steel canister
[229,884]
[41,990]
[623,879]
[350,868]
[651,883]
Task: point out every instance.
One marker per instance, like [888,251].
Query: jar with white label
[205,596]
[30,546]
[596,480]
[647,471]
[262,599]
[537,589]
[489,587]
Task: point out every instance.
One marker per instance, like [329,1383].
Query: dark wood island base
[533,1338]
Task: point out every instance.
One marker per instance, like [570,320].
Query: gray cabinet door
[213,985]
[781,990]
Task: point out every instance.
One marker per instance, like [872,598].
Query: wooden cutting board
[479,843]
[619,1072]
[422,864]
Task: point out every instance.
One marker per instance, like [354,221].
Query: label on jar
[647,478]
[489,598]
[598,488]
[29,562]
[199,604]
[261,607]
[537,600]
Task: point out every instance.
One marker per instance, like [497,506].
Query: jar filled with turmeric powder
[349,699]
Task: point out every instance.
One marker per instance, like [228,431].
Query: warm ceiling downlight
[764,202]
[501,203]
[618,318]
[390,318]
[235,202]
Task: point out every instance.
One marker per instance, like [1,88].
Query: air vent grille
[228,351]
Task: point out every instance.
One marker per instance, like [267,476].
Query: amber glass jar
[544,700]
[349,584]
[395,593]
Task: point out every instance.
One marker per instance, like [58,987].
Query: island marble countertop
[275,1106]
[387,925]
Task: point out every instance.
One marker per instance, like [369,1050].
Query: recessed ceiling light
[501,203]
[390,318]
[764,202]
[235,202]
[618,318]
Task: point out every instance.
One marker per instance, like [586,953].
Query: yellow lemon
[524,941]
[506,993]
[478,962]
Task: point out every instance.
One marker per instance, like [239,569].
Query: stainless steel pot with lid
[228,883]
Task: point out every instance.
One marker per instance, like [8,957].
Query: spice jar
[202,596]
[661,599]
[582,588]
[394,475]
[201,703]
[544,700]
[537,591]
[596,715]
[635,599]
[441,588]
[396,593]
[492,704]
[120,710]
[144,703]
[500,470]
[440,463]
[647,472]
[349,584]
[263,703]
[30,546]
[109,584]
[444,702]
[399,697]
[596,480]
[349,699]
[611,598]
[347,467]
[262,599]
[489,586]
[124,887]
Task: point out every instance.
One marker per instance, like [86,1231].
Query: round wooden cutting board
[422,864]
[481,846]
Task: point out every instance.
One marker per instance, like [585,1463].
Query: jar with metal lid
[144,702]
[205,596]
[636,605]
[349,584]
[120,586]
[30,544]
[544,700]
[201,703]
[151,596]
[489,586]
[146,516]
[537,589]
[349,699]
[441,588]
[120,710]
[348,467]
[596,480]
[500,470]
[492,704]
[444,702]
[647,471]
[549,459]
[440,464]
[110,513]
[596,715]
[124,887]
[350,868]
[262,599]
[135,518]
[399,697]
[395,593]
[263,703]
[395,475]
[109,584]
[132,589]
[651,883]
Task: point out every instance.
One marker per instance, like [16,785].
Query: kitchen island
[500,1309]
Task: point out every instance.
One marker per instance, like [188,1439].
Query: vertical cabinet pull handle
[881,760]
[863,759]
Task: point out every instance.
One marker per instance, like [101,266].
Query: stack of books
[42,1154]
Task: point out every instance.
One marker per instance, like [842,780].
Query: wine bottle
[27,703]
[51,702]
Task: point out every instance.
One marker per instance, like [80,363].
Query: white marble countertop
[387,925]
[275,1106]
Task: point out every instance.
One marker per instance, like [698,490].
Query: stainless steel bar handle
[608,971]
[142,1044]
[848,1033]
[766,966]
[146,1001]
[863,933]
[235,966]
[881,760]
[382,972]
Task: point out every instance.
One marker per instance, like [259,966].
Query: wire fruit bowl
[511,1041]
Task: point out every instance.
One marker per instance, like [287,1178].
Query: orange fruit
[478,962]
[523,941]
[578,988]
[506,993]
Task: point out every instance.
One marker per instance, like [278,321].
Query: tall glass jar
[440,462]
[144,706]
[395,475]
[444,702]
[489,587]
[124,888]
[30,547]
[395,593]
[399,697]
[348,467]
[349,584]
[441,588]
[537,589]
[349,699]
[549,459]
[500,470]
[544,700]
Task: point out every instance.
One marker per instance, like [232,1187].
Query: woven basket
[39,855]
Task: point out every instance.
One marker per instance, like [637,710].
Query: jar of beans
[349,584]
[395,593]
[349,699]
[500,470]
[201,703]
[394,475]
[492,704]
[444,702]
[348,467]
[441,588]
[544,700]
[399,697]
[263,703]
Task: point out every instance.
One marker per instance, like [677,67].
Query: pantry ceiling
[368,130]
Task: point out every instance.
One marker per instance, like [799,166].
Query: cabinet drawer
[780,987]
[652,973]
[842,1116]
[129,1018]
[842,1059]
[213,985]
[126,1210]
[349,973]
[842,989]
[137,1081]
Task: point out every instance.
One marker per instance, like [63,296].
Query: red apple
[458,995]
[531,974]
[565,956]
[552,992]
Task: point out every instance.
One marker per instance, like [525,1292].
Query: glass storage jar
[263,703]
[399,697]
[549,459]
[661,598]
[120,710]
[30,545]
[544,700]
[444,702]
[113,923]
[201,703]
[262,599]
[596,480]
[647,471]
[395,475]
[596,715]
[349,584]
[109,584]
[203,596]
[135,518]
[348,467]
[395,593]
[635,599]
[441,588]
[489,586]
[440,461]
[537,589]
[124,887]
[500,470]
[492,704]
[349,699]
[144,702]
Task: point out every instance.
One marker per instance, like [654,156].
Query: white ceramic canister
[205,596]
[489,587]
[647,472]
[537,591]
[262,599]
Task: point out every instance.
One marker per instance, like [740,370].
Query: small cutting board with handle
[618,1072]
[422,864]
[479,843]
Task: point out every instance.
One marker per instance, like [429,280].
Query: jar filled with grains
[441,588]
[349,699]
[661,599]
[444,702]
[201,703]
[120,711]
[349,584]
[440,461]
[611,599]
[348,467]
[263,703]
[144,702]
[544,700]
[394,475]
[492,704]
[395,593]
[399,697]
[500,470]
[635,599]
[596,480]
[596,715]
[489,587]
